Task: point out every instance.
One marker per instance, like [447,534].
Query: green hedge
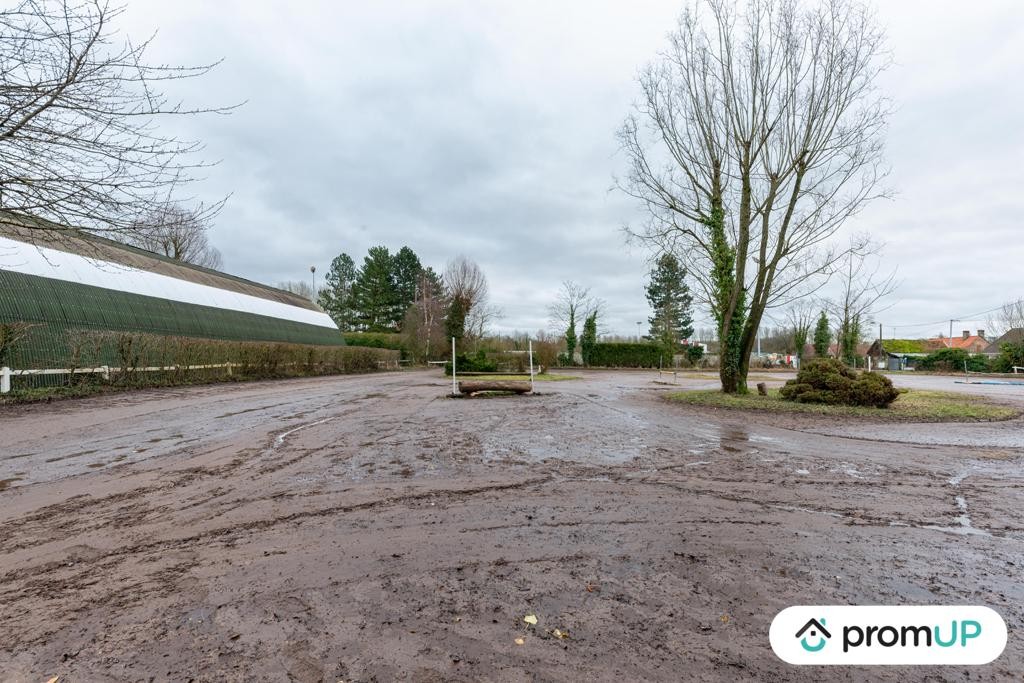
[129,353]
[952,360]
[1010,354]
[627,355]
[478,363]
[377,340]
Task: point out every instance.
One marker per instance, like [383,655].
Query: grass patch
[912,406]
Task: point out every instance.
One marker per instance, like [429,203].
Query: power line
[970,316]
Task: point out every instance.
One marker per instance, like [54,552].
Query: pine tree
[405,270]
[336,295]
[822,336]
[373,293]
[672,303]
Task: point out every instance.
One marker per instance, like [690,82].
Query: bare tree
[479,321]
[758,134]
[422,325]
[573,301]
[79,108]
[177,233]
[801,316]
[1009,317]
[466,292]
[297,287]
[463,279]
[572,304]
[862,286]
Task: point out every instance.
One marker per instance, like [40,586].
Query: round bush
[828,381]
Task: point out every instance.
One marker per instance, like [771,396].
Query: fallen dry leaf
[53,680]
[561,635]
[520,641]
[724,618]
[530,619]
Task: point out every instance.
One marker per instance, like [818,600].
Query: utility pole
[879,333]
[949,342]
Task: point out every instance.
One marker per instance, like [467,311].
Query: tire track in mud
[264,524]
[85,513]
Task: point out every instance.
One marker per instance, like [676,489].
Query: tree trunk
[514,386]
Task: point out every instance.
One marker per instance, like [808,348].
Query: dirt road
[368,528]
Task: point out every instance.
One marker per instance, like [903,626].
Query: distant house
[971,343]
[903,354]
[900,354]
[1014,336]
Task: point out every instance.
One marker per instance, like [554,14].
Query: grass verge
[911,406]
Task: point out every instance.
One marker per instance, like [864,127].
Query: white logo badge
[857,635]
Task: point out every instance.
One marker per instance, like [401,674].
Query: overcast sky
[488,128]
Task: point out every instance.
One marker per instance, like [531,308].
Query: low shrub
[953,360]
[627,355]
[828,381]
[475,363]
[1010,354]
[694,354]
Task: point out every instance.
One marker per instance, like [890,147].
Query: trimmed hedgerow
[627,355]
[828,381]
[131,359]
[377,340]
[953,360]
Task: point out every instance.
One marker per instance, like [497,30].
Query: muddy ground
[368,528]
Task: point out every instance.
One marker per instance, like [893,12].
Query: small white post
[5,380]
[530,345]
[869,363]
[455,387]
[105,369]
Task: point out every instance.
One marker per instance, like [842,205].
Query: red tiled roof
[973,343]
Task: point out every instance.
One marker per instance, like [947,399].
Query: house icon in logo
[817,630]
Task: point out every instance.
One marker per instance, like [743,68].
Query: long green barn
[62,282]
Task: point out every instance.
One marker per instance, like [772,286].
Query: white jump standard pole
[530,344]
[455,387]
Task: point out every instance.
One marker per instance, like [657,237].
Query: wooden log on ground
[478,386]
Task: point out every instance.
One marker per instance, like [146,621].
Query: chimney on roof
[967,333]
[981,333]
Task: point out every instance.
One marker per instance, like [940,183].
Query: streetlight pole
[312,270]
[638,324]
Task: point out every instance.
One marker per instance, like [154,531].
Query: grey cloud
[488,129]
